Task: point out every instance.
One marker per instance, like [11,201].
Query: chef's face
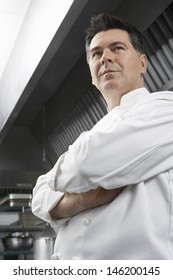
[116,67]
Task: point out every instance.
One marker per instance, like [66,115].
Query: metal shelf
[11,255]
[16,252]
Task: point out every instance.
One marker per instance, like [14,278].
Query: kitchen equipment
[18,241]
[16,200]
[44,245]
[43,248]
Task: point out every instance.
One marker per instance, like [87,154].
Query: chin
[110,87]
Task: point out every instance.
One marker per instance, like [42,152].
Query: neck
[112,103]
[113,98]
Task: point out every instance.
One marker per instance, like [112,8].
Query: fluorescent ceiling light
[13,14]
[26,29]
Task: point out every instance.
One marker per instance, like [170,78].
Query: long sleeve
[44,199]
[124,148]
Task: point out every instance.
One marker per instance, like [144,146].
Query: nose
[106,56]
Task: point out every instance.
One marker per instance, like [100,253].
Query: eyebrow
[113,44]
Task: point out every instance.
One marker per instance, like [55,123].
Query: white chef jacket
[131,146]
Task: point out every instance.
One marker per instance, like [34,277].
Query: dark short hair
[104,22]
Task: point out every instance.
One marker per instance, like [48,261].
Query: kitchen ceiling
[26,29]
[12,15]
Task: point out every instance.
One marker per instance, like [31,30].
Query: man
[110,195]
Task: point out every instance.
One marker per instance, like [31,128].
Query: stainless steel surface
[19,196]
[18,241]
[43,248]
[18,199]
[44,245]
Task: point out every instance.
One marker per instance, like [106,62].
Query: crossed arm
[72,204]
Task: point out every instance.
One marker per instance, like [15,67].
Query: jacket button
[54,257]
[86,222]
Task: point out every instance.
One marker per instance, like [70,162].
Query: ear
[144,62]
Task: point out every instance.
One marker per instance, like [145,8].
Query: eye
[96,54]
[118,48]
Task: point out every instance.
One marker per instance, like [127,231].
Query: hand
[72,204]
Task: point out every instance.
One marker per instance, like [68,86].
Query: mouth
[107,71]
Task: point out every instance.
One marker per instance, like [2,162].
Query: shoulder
[153,104]
[162,95]
[156,98]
